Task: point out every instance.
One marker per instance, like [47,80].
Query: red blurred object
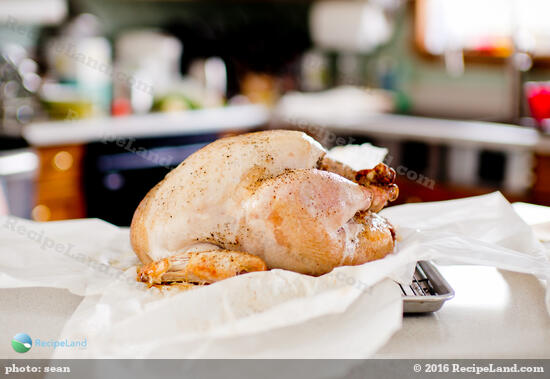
[538,98]
[121,107]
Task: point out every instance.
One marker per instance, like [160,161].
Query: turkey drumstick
[379,179]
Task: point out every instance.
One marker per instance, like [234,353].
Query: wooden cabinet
[59,192]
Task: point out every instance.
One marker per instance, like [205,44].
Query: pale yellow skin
[262,194]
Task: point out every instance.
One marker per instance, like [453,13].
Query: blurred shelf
[229,118]
[431,130]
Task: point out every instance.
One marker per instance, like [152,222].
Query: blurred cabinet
[413,192]
[541,188]
[59,192]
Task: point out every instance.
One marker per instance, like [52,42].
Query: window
[487,28]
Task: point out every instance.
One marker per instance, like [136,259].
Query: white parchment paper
[348,313]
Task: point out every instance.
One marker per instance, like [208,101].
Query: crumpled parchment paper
[348,313]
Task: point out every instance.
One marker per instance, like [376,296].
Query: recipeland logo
[21,342]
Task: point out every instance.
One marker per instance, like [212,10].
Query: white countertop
[494,314]
[242,117]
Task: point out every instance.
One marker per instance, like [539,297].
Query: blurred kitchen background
[99,99]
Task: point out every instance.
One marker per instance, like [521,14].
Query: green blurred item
[174,102]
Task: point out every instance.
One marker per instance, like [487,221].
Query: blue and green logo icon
[21,342]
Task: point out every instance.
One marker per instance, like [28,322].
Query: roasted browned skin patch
[152,273]
[299,232]
[203,267]
[375,241]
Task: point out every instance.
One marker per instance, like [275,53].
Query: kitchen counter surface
[494,314]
